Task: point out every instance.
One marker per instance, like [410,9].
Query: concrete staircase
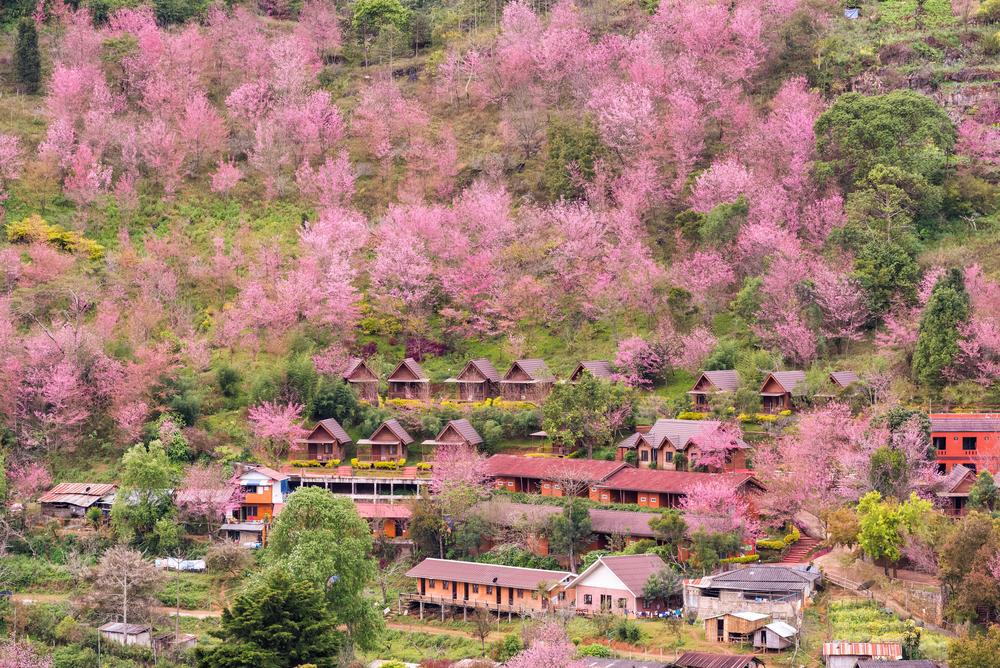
[409,473]
[798,552]
[343,471]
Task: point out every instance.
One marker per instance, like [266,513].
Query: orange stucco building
[969,440]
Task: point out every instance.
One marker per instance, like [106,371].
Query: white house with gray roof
[774,590]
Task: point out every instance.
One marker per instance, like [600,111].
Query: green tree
[911,640]
[964,562]
[886,203]
[320,538]
[661,585]
[723,223]
[895,129]
[27,59]
[937,343]
[144,489]
[885,525]
[279,622]
[888,472]
[336,400]
[591,412]
[725,356]
[570,529]
[984,493]
[707,548]
[886,269]
[975,650]
[669,527]
[897,416]
[369,17]
[569,143]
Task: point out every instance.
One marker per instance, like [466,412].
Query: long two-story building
[969,440]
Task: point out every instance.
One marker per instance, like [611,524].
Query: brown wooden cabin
[837,383]
[361,377]
[457,431]
[327,441]
[659,443]
[780,389]
[388,444]
[954,490]
[478,381]
[713,381]
[527,380]
[408,381]
[734,626]
[597,368]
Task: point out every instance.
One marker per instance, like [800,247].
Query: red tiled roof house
[388,444]
[665,489]
[387,520]
[969,440]
[408,381]
[478,381]
[327,441]
[542,475]
[954,490]
[363,379]
[614,583]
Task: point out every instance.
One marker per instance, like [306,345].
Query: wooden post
[421,610]
[465,613]
[442,611]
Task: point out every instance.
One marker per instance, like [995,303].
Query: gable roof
[549,467]
[397,430]
[844,378]
[632,569]
[956,476]
[672,482]
[790,381]
[534,368]
[263,470]
[966,423]
[761,577]
[784,630]
[485,367]
[486,574]
[597,368]
[724,380]
[414,368]
[679,433]
[83,494]
[889,650]
[335,430]
[712,660]
[465,428]
[353,365]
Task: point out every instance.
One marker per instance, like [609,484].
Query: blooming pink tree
[715,449]
[26,481]
[22,654]
[276,427]
[209,494]
[551,648]
[459,480]
[716,506]
[637,362]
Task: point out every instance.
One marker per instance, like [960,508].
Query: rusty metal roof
[672,482]
[127,629]
[912,663]
[892,651]
[712,660]
[485,574]
[83,494]
[547,468]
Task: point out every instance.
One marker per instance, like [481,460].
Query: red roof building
[668,437]
[387,520]
[665,489]
[547,475]
[969,440]
[614,583]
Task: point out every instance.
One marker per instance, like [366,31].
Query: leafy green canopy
[590,412]
[27,59]
[144,490]
[937,343]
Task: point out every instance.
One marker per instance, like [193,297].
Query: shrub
[991,45]
[354,463]
[402,463]
[504,650]
[626,631]
[690,415]
[989,12]
[576,641]
[770,545]
[632,457]
[35,229]
[596,650]
[741,560]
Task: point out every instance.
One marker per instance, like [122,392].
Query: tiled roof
[726,380]
[414,368]
[128,629]
[351,366]
[388,511]
[531,367]
[465,428]
[989,424]
[672,482]
[756,577]
[712,660]
[678,432]
[597,368]
[844,378]
[550,467]
[633,569]
[398,430]
[954,478]
[263,470]
[486,368]
[83,494]
[473,573]
[790,381]
[893,651]
[334,428]
[617,521]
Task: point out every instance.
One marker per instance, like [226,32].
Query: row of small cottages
[779,392]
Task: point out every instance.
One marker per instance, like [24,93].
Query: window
[489,589]
[328,448]
[621,603]
[643,499]
[392,449]
[971,467]
[604,496]
[430,583]
[520,593]
[593,489]
[266,489]
[510,483]
[645,604]
[444,585]
[940,442]
[942,468]
[546,485]
[562,596]
[631,542]
[652,499]
[968,442]
[645,455]
[251,511]
[534,595]
[557,486]
[588,599]
[475,589]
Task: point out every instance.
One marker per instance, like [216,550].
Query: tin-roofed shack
[778,591]
[74,499]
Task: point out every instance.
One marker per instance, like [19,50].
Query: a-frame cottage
[527,380]
[597,368]
[954,490]
[408,381]
[361,377]
[780,389]
[478,381]
[327,441]
[457,431]
[713,381]
[388,444]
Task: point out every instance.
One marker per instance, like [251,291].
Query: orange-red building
[387,520]
[541,475]
[665,489]
[969,440]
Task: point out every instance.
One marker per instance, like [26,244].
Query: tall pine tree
[938,340]
[27,59]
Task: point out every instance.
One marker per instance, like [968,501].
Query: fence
[924,601]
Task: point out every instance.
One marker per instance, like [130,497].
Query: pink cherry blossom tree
[550,648]
[637,362]
[276,427]
[716,506]
[26,481]
[459,480]
[22,654]
[209,494]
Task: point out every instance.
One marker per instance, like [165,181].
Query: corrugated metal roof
[912,663]
[597,369]
[597,662]
[711,660]
[785,630]
[750,616]
[886,650]
[334,428]
[82,494]
[548,468]
[473,573]
[532,368]
[465,428]
[389,511]
[671,482]
[618,521]
[763,577]
[844,378]
[242,527]
[486,368]
[977,424]
[724,380]
[127,629]
[790,381]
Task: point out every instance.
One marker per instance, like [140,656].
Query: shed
[840,654]
[126,634]
[478,381]
[167,641]
[713,660]
[725,380]
[73,499]
[246,534]
[408,381]
[363,378]
[776,635]
[457,431]
[734,626]
[912,663]
[327,441]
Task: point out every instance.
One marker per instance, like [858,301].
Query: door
[605,601]
[454,590]
[423,587]
[720,626]
[498,595]
[466,597]
[763,639]
[510,596]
